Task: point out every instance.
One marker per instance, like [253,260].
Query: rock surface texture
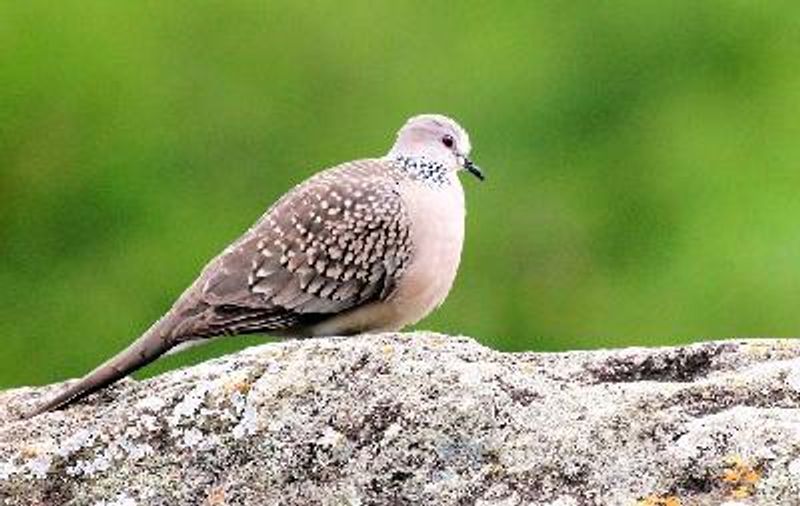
[422,418]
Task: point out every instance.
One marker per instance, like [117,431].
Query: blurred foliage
[643,159]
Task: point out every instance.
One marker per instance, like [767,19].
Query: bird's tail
[153,343]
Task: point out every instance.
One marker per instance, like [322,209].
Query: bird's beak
[471,167]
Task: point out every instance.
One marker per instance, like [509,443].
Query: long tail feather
[150,346]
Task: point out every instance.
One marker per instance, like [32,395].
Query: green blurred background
[643,160]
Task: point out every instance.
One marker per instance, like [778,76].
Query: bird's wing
[335,242]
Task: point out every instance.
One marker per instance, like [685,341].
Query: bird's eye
[447,140]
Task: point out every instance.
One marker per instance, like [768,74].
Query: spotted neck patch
[423,169]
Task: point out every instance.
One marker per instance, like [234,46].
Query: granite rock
[423,418]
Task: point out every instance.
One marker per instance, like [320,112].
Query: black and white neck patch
[424,169]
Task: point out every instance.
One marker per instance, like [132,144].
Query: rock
[422,418]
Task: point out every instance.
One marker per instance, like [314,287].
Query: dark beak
[472,168]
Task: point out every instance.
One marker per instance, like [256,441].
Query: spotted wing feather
[335,242]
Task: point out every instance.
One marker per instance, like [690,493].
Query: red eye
[447,140]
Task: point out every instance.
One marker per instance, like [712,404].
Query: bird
[370,245]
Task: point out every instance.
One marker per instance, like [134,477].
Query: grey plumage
[337,241]
[330,256]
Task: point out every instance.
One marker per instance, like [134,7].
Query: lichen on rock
[422,418]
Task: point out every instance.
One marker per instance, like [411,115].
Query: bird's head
[437,138]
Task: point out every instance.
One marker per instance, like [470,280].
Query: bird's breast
[436,218]
[437,230]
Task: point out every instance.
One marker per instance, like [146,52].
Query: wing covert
[333,243]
